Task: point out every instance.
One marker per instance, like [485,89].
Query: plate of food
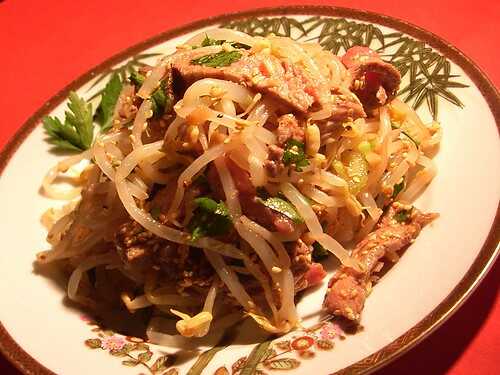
[301,189]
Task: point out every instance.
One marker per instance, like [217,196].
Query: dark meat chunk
[274,164]
[289,128]
[346,107]
[163,198]
[348,288]
[141,250]
[306,273]
[265,73]
[372,80]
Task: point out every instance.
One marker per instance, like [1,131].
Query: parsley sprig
[295,154]
[219,59]
[77,130]
[209,219]
[218,42]
[160,101]
[109,99]
[319,253]
[403,216]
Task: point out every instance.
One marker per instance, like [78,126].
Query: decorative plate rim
[481,265]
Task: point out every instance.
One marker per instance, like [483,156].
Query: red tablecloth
[44,45]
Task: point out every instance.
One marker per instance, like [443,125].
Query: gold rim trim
[481,265]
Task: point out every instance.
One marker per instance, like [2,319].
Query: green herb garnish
[295,154]
[398,188]
[109,98]
[219,59]
[403,215]
[209,219]
[160,101]
[319,253]
[218,42]
[283,207]
[77,131]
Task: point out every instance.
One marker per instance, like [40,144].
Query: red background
[44,45]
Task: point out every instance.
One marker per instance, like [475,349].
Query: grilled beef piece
[291,84]
[305,272]
[348,288]
[287,127]
[141,250]
[373,80]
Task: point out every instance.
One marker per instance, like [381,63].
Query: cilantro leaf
[217,42]
[109,98]
[219,59]
[403,215]
[77,131]
[397,188]
[209,219]
[319,253]
[136,78]
[283,207]
[294,154]
[211,42]
[160,101]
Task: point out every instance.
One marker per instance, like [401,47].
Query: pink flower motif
[85,318]
[330,330]
[113,343]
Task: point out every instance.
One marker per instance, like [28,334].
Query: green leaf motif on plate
[282,364]
[144,357]
[93,343]
[130,363]
[161,363]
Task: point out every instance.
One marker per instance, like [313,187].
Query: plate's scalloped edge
[483,262]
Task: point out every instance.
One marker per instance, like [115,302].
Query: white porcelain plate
[41,334]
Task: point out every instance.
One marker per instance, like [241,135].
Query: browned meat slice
[286,127]
[291,84]
[274,164]
[289,128]
[306,273]
[372,80]
[138,247]
[346,108]
[348,288]
[141,250]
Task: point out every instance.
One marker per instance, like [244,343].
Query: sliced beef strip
[265,73]
[274,164]
[306,272]
[289,128]
[373,80]
[286,127]
[348,288]
[346,107]
[138,248]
